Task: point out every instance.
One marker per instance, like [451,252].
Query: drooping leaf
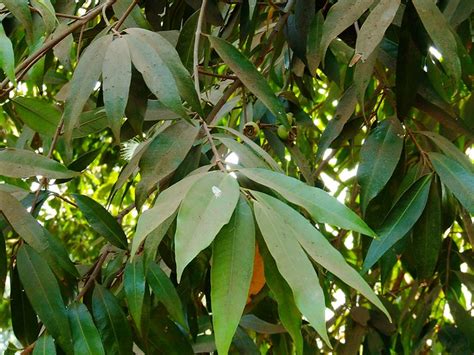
[7,57]
[293,265]
[163,156]
[318,247]
[3,263]
[167,338]
[456,177]
[320,205]
[41,116]
[83,83]
[439,30]
[170,57]
[362,75]
[116,76]
[379,157]
[372,31]
[165,293]
[135,18]
[135,287]
[101,221]
[185,44]
[399,220]
[45,346]
[155,72]
[111,322]
[231,272]
[206,208]
[314,42]
[85,335]
[43,292]
[19,163]
[20,9]
[340,16]
[250,76]
[247,157]
[47,12]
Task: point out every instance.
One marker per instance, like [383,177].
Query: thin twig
[220,76]
[197,39]
[213,146]
[124,212]
[125,15]
[93,275]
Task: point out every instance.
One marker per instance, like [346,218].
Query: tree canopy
[244,177]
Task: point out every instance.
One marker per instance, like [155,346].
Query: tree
[237,176]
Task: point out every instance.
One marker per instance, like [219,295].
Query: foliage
[129,225]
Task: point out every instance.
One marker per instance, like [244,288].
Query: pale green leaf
[231,273]
[47,12]
[7,56]
[247,157]
[206,208]
[40,115]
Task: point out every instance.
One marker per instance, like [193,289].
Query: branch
[125,15]
[213,146]
[91,279]
[197,38]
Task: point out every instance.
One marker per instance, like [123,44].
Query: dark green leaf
[85,336]
[7,57]
[231,272]
[101,221]
[186,41]
[45,346]
[314,42]
[135,287]
[40,115]
[20,9]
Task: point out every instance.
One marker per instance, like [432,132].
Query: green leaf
[289,314]
[314,41]
[7,56]
[85,335]
[163,156]
[449,149]
[318,247]
[165,206]
[47,12]
[24,319]
[155,72]
[456,177]
[250,77]
[90,122]
[185,44]
[340,16]
[3,263]
[20,9]
[165,293]
[116,76]
[231,273]
[345,108]
[101,221]
[372,31]
[379,157]
[19,163]
[135,287]
[247,157]
[206,208]
[171,58]
[362,75]
[45,346]
[399,220]
[293,265]
[83,83]
[43,292]
[439,30]
[320,205]
[40,115]
[134,19]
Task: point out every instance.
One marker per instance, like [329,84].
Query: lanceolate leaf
[165,293]
[163,155]
[399,220]
[170,57]
[111,322]
[250,76]
[45,346]
[320,205]
[293,265]
[318,247]
[135,287]
[231,272]
[85,336]
[247,157]
[440,32]
[456,177]
[19,163]
[20,9]
[206,208]
[43,292]
[165,206]
[47,12]
[116,76]
[156,74]
[314,42]
[340,16]
[378,158]
[83,83]
[7,57]
[39,115]
[372,31]
[101,221]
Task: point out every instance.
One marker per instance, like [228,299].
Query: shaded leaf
[250,76]
[45,346]
[7,57]
[206,208]
[101,221]
[231,272]
[135,287]
[314,42]
[85,336]
[399,220]
[185,44]
[20,9]
[41,116]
